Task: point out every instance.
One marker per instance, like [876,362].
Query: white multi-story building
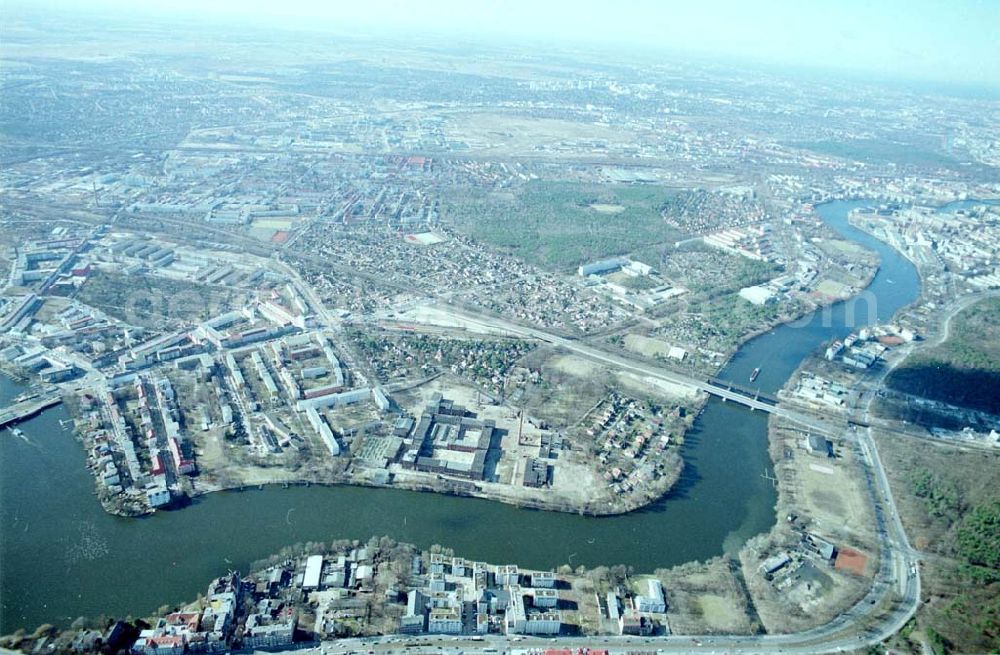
[546,598]
[518,621]
[445,620]
[602,266]
[654,600]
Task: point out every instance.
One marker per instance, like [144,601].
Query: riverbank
[574,481]
[363,588]
[791,319]
[463,489]
[200,488]
[15,373]
[824,495]
[940,283]
[921,272]
[45,477]
[821,556]
[120,505]
[816,302]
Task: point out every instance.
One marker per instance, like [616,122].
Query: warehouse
[314,567]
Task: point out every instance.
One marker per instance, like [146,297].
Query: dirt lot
[646,346]
[586,615]
[605,208]
[829,492]
[637,384]
[704,598]
[851,561]
[832,289]
[571,387]
[721,614]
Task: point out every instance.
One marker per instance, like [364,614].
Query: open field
[705,598]
[584,369]
[424,238]
[720,613]
[880,151]
[636,282]
[646,346]
[505,133]
[273,223]
[646,385]
[832,289]
[572,388]
[820,498]
[605,208]
[842,246]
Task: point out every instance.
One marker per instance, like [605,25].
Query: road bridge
[756,394]
[28,408]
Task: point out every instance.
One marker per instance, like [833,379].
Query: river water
[62,556]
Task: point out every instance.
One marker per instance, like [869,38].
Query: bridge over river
[28,408]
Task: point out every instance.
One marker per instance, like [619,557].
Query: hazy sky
[956,40]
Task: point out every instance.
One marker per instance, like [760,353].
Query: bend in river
[62,556]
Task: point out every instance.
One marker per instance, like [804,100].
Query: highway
[620,362]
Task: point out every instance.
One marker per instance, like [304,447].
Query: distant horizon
[939,50]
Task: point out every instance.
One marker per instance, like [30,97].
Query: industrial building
[602,266]
[759,295]
[446,441]
[314,568]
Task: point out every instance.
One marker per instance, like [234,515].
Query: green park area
[922,153]
[559,225]
[154,302]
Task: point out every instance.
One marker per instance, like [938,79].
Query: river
[62,556]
